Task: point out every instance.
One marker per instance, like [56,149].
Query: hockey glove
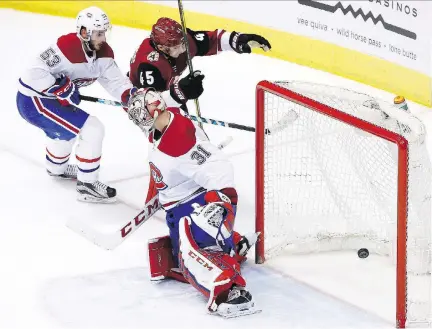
[189,87]
[242,43]
[65,91]
[216,218]
[127,94]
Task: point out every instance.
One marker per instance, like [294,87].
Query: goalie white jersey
[182,160]
[67,57]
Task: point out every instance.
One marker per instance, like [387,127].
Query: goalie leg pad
[160,258]
[213,273]
[161,262]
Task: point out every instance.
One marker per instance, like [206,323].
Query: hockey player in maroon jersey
[161,59]
[195,184]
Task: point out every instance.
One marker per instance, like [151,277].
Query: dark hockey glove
[242,43]
[189,87]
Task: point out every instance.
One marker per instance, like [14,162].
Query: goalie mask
[144,107]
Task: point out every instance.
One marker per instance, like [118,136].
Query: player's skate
[96,192]
[238,303]
[70,172]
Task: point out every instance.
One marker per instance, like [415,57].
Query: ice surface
[52,278]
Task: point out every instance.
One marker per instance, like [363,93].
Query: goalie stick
[111,240]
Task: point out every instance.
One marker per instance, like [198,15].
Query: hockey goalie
[195,184]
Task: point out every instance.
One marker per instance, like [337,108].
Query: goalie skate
[70,173]
[239,303]
[95,192]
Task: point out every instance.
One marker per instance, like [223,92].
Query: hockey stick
[101,101]
[111,240]
[286,119]
[188,55]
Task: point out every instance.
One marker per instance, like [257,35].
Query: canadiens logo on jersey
[153,56]
[84,82]
[157,177]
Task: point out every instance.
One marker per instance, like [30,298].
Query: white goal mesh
[325,183]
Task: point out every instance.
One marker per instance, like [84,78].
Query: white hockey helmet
[144,107]
[92,19]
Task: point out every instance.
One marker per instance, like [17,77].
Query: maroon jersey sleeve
[149,68]
[205,43]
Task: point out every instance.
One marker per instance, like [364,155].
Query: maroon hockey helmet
[166,32]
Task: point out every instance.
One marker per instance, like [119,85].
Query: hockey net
[350,172]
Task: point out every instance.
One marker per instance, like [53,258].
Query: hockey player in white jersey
[195,184]
[48,98]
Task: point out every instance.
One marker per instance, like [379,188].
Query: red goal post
[284,158]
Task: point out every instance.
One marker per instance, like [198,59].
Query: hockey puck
[363,253]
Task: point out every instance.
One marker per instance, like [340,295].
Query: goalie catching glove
[216,218]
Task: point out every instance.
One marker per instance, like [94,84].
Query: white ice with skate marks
[51,277]
[126,298]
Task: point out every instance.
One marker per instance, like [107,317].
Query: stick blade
[108,241]
[283,123]
[108,225]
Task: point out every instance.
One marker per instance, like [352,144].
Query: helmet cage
[138,111]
